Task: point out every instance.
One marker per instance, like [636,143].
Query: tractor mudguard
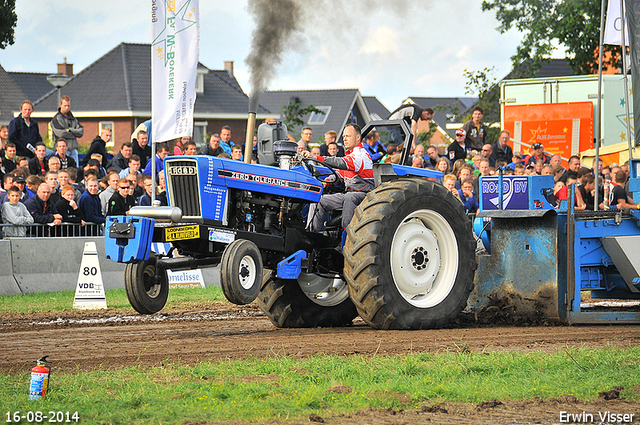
[386,171]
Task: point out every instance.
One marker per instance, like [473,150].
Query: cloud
[382,40]
[388,49]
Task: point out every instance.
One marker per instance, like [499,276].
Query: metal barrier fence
[64,230]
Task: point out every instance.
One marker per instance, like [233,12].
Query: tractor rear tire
[287,305]
[145,295]
[410,256]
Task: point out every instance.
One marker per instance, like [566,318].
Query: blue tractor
[406,260]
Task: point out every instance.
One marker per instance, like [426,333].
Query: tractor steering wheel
[319,175]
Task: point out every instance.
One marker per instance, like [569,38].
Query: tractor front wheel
[147,293]
[241,271]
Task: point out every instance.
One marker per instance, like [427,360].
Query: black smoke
[275,21]
[281,26]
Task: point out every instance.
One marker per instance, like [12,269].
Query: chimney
[67,68]
[228,66]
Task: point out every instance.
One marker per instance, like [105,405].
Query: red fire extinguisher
[40,376]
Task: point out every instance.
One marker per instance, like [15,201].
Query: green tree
[484,85]
[424,137]
[292,114]
[8,21]
[573,24]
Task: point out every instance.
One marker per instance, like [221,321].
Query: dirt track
[86,340]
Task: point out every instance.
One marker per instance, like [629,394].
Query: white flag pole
[614,24]
[623,33]
[174,60]
[599,106]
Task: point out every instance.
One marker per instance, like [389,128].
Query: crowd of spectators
[54,188]
[468,157]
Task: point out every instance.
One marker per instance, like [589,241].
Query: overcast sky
[384,49]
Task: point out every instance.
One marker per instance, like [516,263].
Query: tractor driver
[356,169]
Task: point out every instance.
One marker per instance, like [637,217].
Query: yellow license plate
[181,233]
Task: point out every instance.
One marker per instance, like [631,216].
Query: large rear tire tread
[367,255]
[142,299]
[286,305]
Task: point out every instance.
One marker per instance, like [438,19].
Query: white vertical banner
[613,25]
[174,59]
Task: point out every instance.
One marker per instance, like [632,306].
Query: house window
[319,119]
[200,79]
[200,83]
[200,133]
[112,126]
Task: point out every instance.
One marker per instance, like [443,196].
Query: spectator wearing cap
[17,181]
[516,159]
[457,149]
[537,152]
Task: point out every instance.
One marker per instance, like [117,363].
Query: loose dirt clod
[315,418]
[340,389]
[434,409]
[489,404]
[613,394]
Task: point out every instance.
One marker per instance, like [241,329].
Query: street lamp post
[57,81]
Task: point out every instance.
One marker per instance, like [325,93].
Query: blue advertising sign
[515,193]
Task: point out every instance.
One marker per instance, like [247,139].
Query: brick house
[115,91]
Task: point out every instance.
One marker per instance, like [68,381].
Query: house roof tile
[121,81]
[11,96]
[341,101]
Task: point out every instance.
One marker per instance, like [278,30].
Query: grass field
[287,388]
[116,298]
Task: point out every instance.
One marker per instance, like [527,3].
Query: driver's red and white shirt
[355,167]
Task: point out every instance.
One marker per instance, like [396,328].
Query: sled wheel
[146,294]
[307,302]
[241,271]
[410,256]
